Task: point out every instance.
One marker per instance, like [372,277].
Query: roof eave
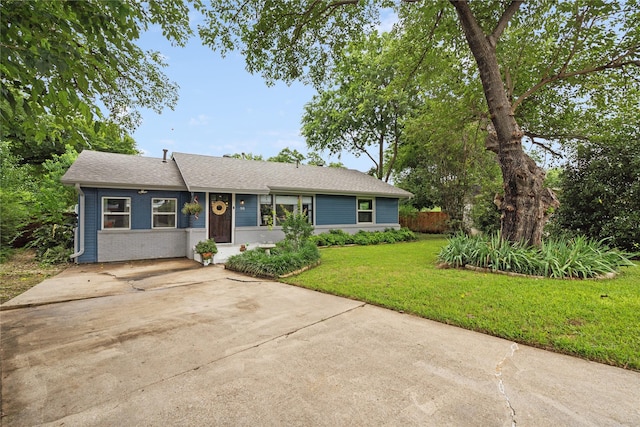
[338,192]
[129,186]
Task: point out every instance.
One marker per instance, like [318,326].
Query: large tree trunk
[526,201]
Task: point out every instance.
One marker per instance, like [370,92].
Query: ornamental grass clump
[578,257]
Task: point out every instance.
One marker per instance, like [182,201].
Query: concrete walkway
[174,343]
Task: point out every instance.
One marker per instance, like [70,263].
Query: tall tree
[362,111]
[300,39]
[527,202]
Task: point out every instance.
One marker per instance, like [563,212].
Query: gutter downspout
[79,228]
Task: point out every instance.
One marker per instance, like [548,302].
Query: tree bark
[526,202]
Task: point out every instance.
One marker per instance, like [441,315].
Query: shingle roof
[98,169]
[223,174]
[194,172]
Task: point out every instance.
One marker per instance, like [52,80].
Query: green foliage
[191,208]
[362,111]
[78,134]
[246,156]
[407,210]
[485,214]
[206,246]
[287,39]
[286,155]
[296,227]
[446,163]
[18,190]
[579,257]
[339,237]
[90,59]
[53,239]
[601,192]
[282,260]
[55,199]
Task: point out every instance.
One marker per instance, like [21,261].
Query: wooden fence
[426,222]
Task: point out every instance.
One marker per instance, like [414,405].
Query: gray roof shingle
[194,172]
[223,174]
[98,169]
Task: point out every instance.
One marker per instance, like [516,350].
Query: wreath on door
[219,207]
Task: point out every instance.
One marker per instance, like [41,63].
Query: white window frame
[104,214]
[175,213]
[372,210]
[274,204]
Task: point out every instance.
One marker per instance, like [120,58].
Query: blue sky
[223,109]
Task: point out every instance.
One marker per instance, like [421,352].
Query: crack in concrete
[501,389]
[245,281]
[5,307]
[257,345]
[131,283]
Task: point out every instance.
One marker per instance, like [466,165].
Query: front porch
[226,250]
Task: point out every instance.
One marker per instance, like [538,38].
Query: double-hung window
[164,213]
[116,213]
[365,210]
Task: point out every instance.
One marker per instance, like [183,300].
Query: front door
[220,217]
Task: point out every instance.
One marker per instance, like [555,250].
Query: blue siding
[386,211]
[140,205]
[335,210]
[247,215]
[91,214]
[190,220]
[140,213]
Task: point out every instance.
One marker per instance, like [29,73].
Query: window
[266,210]
[164,213]
[285,204]
[116,213]
[365,210]
[281,206]
[307,207]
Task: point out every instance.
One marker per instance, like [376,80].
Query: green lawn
[595,319]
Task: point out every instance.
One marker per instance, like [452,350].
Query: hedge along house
[130,206]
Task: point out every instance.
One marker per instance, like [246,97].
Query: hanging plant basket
[191,208]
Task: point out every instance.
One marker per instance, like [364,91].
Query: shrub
[206,246]
[578,257]
[296,227]
[600,189]
[53,240]
[485,214]
[341,238]
[283,259]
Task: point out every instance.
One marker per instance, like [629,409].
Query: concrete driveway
[173,343]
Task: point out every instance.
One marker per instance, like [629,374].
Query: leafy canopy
[68,59]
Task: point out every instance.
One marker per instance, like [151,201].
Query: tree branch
[503,22]
[309,15]
[616,63]
[427,48]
